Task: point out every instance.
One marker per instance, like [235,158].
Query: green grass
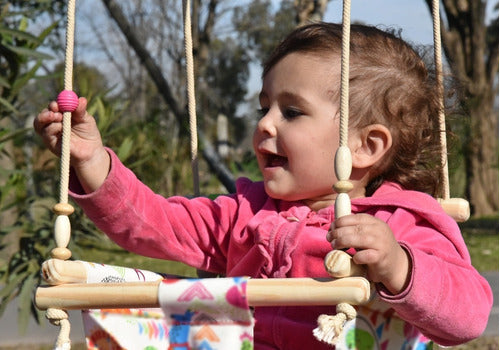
[112,254]
[483,249]
[481,238]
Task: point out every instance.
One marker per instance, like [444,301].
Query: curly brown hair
[389,84]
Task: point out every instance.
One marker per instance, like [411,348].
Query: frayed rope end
[330,328]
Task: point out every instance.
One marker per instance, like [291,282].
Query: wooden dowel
[260,292]
[457,208]
[56,271]
[76,296]
[307,291]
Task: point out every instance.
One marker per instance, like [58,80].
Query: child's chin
[275,194]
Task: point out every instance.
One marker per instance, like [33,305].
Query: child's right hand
[89,158]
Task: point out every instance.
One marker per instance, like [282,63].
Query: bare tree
[309,10]
[164,87]
[471,48]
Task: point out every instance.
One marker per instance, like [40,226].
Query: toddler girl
[413,251]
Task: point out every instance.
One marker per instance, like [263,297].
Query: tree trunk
[482,160]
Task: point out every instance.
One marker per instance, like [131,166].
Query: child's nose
[267,123]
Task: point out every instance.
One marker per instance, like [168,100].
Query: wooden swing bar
[260,292]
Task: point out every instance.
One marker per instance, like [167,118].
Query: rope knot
[330,328]
[59,318]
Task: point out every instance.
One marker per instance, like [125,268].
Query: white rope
[62,227]
[445,187]
[60,318]
[344,73]
[330,328]
[68,85]
[188,42]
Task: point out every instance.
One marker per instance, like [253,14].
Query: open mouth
[274,160]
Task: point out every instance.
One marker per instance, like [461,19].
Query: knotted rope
[59,318]
[330,328]
[67,101]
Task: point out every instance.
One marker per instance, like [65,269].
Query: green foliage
[19,62]
[260,28]
[227,74]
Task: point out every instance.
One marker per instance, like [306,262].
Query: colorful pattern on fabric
[101,273]
[377,327]
[125,329]
[201,314]
[213,314]
[210,313]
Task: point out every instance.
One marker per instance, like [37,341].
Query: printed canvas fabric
[195,314]
[214,314]
[123,328]
[141,329]
[210,313]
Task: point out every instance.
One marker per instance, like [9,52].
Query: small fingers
[366,257]
[356,236]
[53,106]
[45,118]
[345,237]
[81,110]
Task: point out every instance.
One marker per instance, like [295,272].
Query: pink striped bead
[67,101]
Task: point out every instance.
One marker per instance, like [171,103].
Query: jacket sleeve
[447,299]
[192,231]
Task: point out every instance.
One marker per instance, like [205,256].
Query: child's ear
[369,145]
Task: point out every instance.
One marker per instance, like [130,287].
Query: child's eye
[262,112]
[291,113]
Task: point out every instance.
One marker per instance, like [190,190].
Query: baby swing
[78,285]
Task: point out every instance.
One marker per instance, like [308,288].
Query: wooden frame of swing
[70,291]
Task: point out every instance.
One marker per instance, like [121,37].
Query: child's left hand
[387,262]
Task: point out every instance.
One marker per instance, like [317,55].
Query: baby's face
[296,138]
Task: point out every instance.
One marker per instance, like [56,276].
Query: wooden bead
[62,231]
[340,264]
[343,186]
[60,253]
[342,205]
[343,163]
[63,209]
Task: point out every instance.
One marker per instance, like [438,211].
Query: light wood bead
[343,186]
[343,163]
[63,209]
[60,253]
[62,231]
[342,205]
[340,264]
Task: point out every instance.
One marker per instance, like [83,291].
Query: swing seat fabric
[194,314]
[214,314]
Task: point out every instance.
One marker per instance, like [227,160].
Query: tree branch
[154,71]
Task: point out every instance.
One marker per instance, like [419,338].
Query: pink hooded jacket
[250,234]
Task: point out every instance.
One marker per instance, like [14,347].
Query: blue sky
[412,16]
